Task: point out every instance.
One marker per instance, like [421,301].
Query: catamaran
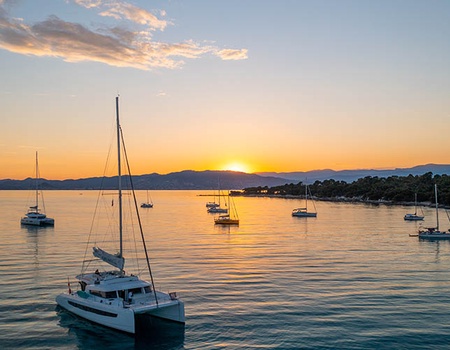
[34,215]
[114,298]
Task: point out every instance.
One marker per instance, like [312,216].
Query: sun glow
[237,167]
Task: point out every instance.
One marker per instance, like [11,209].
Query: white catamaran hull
[117,315]
[37,221]
[111,316]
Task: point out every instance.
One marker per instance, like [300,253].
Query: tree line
[371,188]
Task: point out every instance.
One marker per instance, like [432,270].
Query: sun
[237,167]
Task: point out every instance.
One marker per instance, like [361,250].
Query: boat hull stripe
[91,309]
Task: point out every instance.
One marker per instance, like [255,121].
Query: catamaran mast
[119,174]
[37,175]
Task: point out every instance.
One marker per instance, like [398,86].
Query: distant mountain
[184,180]
[353,175]
[209,179]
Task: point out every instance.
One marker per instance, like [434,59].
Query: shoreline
[342,200]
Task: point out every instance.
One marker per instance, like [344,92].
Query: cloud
[117,46]
[229,54]
[123,10]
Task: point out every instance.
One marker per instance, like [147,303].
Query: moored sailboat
[114,298]
[216,208]
[303,212]
[414,217]
[148,204]
[34,215]
[231,218]
[434,232]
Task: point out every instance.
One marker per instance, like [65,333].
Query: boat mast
[119,174]
[437,215]
[306,196]
[415,203]
[37,194]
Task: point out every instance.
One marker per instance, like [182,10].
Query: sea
[351,278]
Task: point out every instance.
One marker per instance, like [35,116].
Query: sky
[248,85]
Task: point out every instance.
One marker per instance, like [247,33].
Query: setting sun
[237,167]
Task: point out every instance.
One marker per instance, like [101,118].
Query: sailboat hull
[226,222]
[112,316]
[117,315]
[302,213]
[413,217]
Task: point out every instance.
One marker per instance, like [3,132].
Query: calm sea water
[351,278]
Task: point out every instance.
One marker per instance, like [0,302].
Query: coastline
[340,200]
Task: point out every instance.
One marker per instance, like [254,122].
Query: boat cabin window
[111,295]
[106,295]
[135,290]
[147,289]
[96,293]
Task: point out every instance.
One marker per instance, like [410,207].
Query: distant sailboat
[303,212]
[434,232]
[231,218]
[414,217]
[213,207]
[148,204]
[35,216]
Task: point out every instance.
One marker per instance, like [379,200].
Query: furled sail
[113,259]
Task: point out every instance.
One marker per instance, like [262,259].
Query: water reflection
[161,335]
[36,229]
[438,244]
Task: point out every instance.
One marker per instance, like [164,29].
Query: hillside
[184,180]
[209,179]
[353,175]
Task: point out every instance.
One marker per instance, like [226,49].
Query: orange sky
[359,86]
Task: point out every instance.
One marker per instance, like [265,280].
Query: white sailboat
[213,204]
[148,204]
[434,232]
[231,218]
[114,298]
[303,212]
[414,217]
[34,215]
[216,208]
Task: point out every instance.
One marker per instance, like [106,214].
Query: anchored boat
[114,298]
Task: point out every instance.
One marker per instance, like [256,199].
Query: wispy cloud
[123,10]
[117,46]
[229,54]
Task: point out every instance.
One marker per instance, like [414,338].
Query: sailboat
[414,217]
[148,204]
[213,204]
[303,212]
[34,215]
[231,218]
[114,298]
[434,232]
[217,208]
[213,207]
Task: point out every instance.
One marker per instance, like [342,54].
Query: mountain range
[353,175]
[211,180]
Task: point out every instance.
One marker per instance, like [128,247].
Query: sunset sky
[252,85]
